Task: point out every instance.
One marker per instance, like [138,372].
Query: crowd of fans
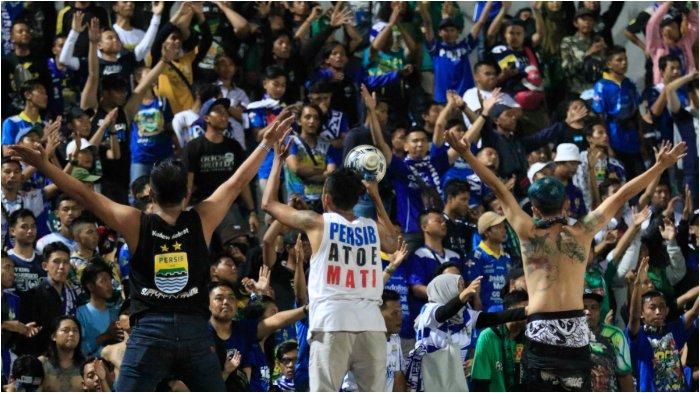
[109,89]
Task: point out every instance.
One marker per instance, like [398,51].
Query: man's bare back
[555,262]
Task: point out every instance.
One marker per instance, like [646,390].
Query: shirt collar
[489,251]
[25,117]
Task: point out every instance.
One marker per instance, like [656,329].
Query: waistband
[555,315]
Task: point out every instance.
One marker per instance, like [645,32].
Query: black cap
[590,294]
[448,22]
[583,12]
[75,112]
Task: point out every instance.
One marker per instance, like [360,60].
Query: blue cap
[547,193]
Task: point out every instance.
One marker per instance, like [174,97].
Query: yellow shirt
[173,88]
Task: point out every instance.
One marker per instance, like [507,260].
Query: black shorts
[557,352]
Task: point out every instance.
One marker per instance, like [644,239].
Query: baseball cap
[583,12]
[36,128]
[536,167]
[496,111]
[487,220]
[231,233]
[589,293]
[211,103]
[84,144]
[447,22]
[84,175]
[567,152]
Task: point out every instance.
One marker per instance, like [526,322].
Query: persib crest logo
[171,270]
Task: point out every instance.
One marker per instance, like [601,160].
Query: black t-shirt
[459,237]
[170,267]
[212,164]
[281,282]
[115,172]
[15,71]
[123,67]
[639,24]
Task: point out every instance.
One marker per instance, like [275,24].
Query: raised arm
[517,218]
[381,39]
[476,27]
[143,47]
[213,209]
[596,219]
[124,219]
[540,29]
[443,117]
[66,56]
[305,27]
[370,101]
[474,132]
[240,24]
[147,81]
[88,98]
[388,235]
[305,220]
[691,315]
[653,30]
[269,255]
[674,104]
[300,294]
[284,318]
[636,298]
[495,26]
[427,21]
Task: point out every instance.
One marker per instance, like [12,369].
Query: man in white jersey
[346,327]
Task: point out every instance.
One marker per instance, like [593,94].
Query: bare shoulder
[591,223]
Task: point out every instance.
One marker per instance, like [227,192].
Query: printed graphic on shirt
[351,266]
[217,163]
[171,269]
[150,122]
[668,374]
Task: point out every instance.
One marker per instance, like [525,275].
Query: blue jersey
[477,190]
[10,312]
[617,102]
[258,115]
[656,357]
[28,272]
[260,375]
[398,282]
[149,141]
[301,368]
[460,170]
[451,67]
[663,124]
[421,267]
[244,334]
[403,174]
[493,267]
[577,207]
[15,126]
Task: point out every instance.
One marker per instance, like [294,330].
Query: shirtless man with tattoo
[554,253]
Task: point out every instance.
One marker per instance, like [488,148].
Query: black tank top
[170,267]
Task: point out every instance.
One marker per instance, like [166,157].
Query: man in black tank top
[170,266]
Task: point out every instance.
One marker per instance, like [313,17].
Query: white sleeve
[629,258]
[180,127]
[675,271]
[66,57]
[471,317]
[144,46]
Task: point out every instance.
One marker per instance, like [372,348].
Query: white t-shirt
[395,362]
[345,277]
[182,121]
[471,99]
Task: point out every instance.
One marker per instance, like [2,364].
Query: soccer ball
[367,161]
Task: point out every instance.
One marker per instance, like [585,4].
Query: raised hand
[668,157]
[168,52]
[471,289]
[610,237]
[263,7]
[495,98]
[263,283]
[395,14]
[157,7]
[111,117]
[77,24]
[668,212]
[370,100]
[642,272]
[277,131]
[459,144]
[35,156]
[94,32]
[341,16]
[639,216]
[399,255]
[315,13]
[576,115]
[232,362]
[668,230]
[299,251]
[688,203]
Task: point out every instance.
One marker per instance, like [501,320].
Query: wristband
[265,147]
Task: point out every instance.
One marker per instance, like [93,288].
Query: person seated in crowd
[649,333]
[95,375]
[489,260]
[63,358]
[498,353]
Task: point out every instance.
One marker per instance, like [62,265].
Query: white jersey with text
[345,278]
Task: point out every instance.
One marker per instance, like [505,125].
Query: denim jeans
[169,345]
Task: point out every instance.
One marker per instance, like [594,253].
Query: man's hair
[205,91]
[220,284]
[424,215]
[93,269]
[139,184]
[273,72]
[514,297]
[216,257]
[9,160]
[455,187]
[604,187]
[169,182]
[484,63]
[590,124]
[17,214]
[345,188]
[64,197]
[287,346]
[28,86]
[648,295]
[417,129]
[27,365]
[84,219]
[547,195]
[318,110]
[52,248]
[320,87]
[444,266]
[389,295]
[664,60]
[328,49]
[613,51]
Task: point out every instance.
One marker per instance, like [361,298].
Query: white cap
[567,152]
[536,167]
[84,144]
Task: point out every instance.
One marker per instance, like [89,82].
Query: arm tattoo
[592,221]
[568,245]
